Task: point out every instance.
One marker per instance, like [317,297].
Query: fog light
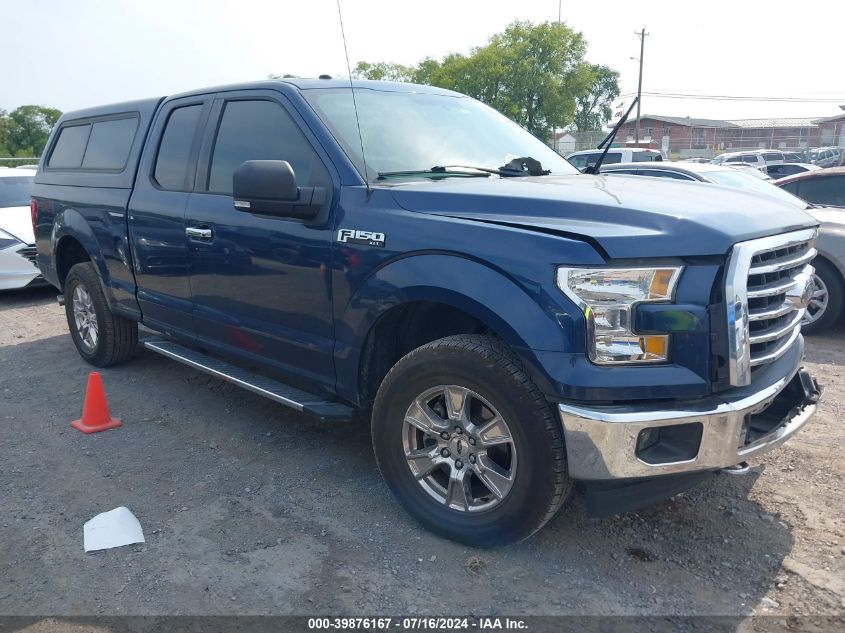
[647,439]
[669,444]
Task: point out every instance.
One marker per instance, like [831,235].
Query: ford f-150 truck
[513,325]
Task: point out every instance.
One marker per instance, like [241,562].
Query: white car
[755,158]
[584,158]
[17,241]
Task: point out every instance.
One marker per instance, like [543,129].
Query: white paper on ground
[112,529]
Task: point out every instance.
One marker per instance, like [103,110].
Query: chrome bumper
[601,442]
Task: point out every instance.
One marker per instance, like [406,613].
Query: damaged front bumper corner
[636,440]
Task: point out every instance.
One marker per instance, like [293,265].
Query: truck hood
[627,216]
[18,222]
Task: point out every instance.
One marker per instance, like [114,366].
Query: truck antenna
[608,140]
[354,102]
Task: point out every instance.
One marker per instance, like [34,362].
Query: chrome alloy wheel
[85,318]
[459,448]
[818,302]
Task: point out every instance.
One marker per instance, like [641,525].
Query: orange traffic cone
[95,411]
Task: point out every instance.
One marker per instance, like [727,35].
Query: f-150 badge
[367,238]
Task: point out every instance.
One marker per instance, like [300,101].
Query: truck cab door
[260,284]
[157,215]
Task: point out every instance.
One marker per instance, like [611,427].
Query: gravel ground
[248,508]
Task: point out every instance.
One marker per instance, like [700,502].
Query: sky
[72,54]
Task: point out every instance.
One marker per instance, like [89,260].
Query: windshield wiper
[525,166]
[608,141]
[443,172]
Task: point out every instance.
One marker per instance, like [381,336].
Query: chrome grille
[766,292]
[29,252]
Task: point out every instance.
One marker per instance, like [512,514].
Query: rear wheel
[825,306]
[101,337]
[468,444]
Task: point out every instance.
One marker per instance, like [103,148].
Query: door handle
[196,233]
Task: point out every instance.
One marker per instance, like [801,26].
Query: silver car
[826,305]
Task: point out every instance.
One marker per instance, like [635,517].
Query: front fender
[525,317]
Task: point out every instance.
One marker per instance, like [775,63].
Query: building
[685,137]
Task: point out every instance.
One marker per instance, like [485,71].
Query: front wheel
[468,444]
[101,337]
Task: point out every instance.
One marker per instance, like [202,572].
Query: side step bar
[292,397]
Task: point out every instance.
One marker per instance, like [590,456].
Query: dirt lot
[248,508]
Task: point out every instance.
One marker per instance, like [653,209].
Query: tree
[593,109]
[383,71]
[533,73]
[4,134]
[24,130]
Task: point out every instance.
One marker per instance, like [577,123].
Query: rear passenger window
[260,130]
[823,190]
[109,144]
[644,157]
[70,147]
[174,152]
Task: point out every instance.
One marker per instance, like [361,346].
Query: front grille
[765,287]
[29,252]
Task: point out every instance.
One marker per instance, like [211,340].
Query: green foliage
[383,71]
[535,74]
[593,109]
[24,130]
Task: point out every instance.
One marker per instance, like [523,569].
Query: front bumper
[605,442]
[16,271]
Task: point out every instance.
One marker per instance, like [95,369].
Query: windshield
[15,190]
[741,180]
[412,131]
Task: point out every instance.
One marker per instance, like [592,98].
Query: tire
[490,377]
[114,338]
[828,286]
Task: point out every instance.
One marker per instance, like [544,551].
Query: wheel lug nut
[472,441]
[459,464]
[445,452]
[471,458]
[445,435]
[459,430]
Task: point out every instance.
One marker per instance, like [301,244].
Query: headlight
[7,240]
[607,296]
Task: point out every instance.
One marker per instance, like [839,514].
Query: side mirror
[268,187]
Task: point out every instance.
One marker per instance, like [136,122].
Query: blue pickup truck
[513,325]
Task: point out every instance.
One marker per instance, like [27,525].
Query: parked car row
[818,156]
[823,189]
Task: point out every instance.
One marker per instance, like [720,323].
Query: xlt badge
[354,236]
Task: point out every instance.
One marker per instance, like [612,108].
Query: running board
[289,396]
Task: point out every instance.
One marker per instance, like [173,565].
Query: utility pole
[642,35]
